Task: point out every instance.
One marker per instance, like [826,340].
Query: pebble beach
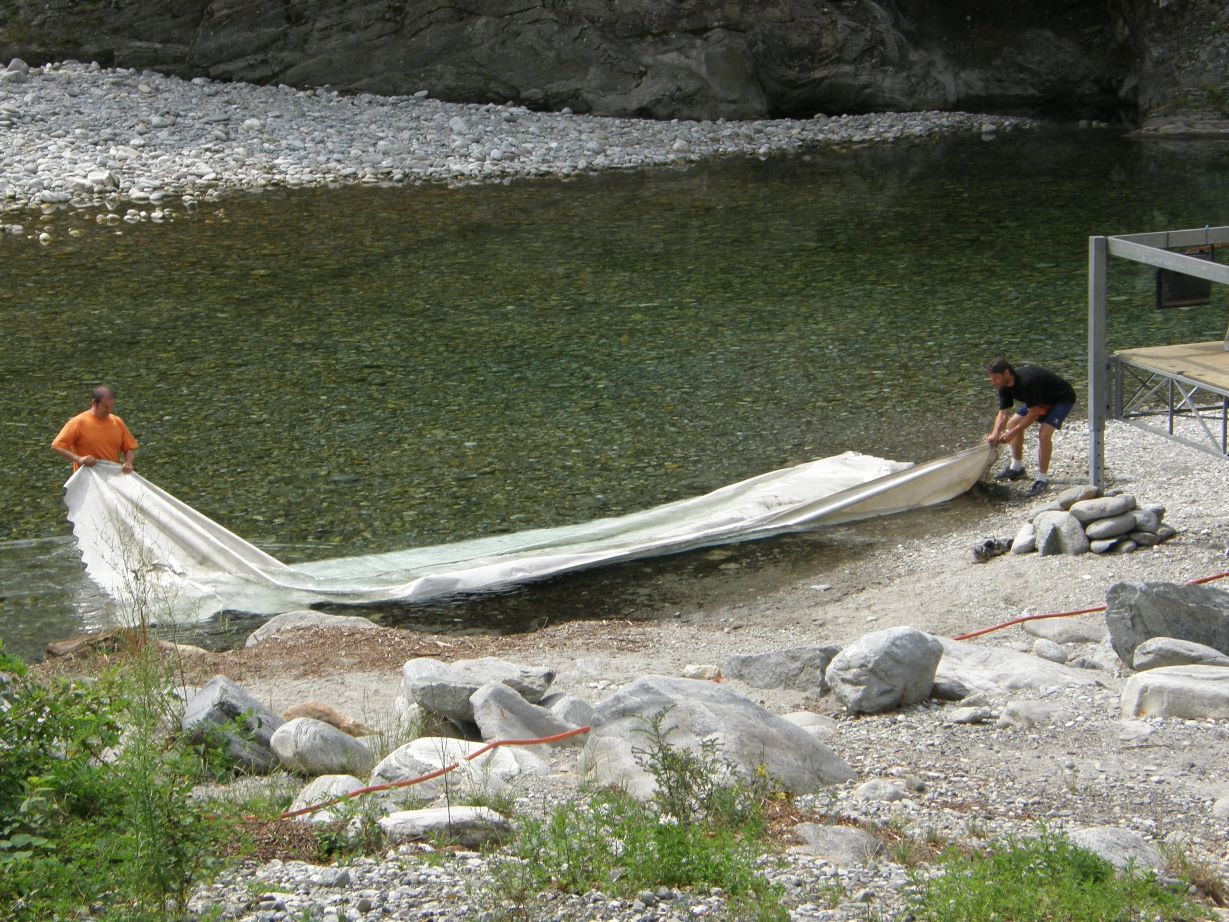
[140,146]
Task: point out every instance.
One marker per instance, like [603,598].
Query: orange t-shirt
[86,434]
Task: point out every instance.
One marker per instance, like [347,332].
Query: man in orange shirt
[97,435]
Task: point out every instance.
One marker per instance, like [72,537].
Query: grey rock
[840,845]
[746,735]
[1122,848]
[502,714]
[310,747]
[1029,714]
[636,58]
[885,670]
[1059,533]
[1111,527]
[1220,809]
[1072,495]
[570,709]
[1145,538]
[1148,518]
[968,668]
[486,774]
[800,668]
[292,620]
[817,725]
[223,714]
[1048,649]
[1195,692]
[1025,541]
[882,790]
[1136,612]
[446,689]
[1103,545]
[1103,507]
[471,827]
[321,790]
[1157,652]
[1076,629]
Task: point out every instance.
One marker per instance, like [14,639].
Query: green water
[356,370]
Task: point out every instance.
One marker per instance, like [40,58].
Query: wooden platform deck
[1204,365]
[1180,391]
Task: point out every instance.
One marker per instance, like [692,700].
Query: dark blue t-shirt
[1035,387]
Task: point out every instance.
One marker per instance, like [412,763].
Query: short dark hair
[998,366]
[100,392]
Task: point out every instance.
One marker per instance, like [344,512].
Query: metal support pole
[1098,385]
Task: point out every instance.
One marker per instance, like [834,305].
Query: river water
[354,370]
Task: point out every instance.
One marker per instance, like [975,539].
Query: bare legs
[1045,444]
[1045,447]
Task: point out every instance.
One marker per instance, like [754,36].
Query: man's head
[1000,373]
[102,400]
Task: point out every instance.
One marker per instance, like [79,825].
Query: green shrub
[702,831]
[1046,879]
[95,806]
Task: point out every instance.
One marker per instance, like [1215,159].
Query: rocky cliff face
[688,59]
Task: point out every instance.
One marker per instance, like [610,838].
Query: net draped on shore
[147,549]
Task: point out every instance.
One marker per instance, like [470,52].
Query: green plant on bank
[701,830]
[356,830]
[1200,874]
[95,806]
[1046,879]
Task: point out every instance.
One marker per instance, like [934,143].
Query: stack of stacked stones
[1083,520]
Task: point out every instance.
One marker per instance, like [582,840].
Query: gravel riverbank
[1063,757]
[139,145]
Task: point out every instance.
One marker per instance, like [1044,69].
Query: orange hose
[1068,614]
[430,776]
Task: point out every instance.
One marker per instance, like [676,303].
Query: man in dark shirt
[1044,396]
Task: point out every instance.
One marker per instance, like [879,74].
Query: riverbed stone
[1059,533]
[1111,527]
[447,689]
[1075,629]
[1136,612]
[293,620]
[967,668]
[1194,692]
[503,714]
[487,774]
[312,747]
[885,669]
[1121,847]
[748,738]
[222,714]
[842,846]
[320,790]
[1103,507]
[1156,652]
[800,668]
[471,827]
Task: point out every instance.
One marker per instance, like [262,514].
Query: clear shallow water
[348,371]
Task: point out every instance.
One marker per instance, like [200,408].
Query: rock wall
[688,59]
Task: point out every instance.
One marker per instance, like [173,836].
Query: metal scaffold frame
[1187,382]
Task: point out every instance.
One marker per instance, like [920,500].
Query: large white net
[150,551]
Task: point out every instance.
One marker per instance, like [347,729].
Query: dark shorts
[1053,414]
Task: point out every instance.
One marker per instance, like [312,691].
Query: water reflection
[356,370]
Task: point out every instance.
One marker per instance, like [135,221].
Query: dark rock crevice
[1114,60]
